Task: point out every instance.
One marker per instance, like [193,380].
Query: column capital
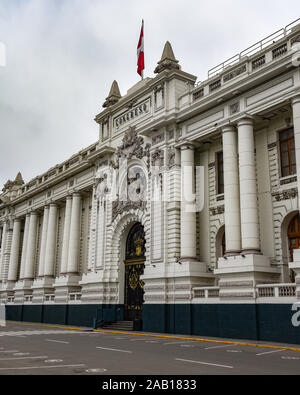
[228,128]
[69,197]
[19,219]
[295,100]
[76,194]
[52,205]
[245,120]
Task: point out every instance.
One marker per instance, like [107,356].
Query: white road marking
[292,358]
[211,348]
[113,349]
[44,367]
[137,340]
[12,359]
[187,345]
[56,341]
[10,351]
[54,360]
[205,363]
[270,352]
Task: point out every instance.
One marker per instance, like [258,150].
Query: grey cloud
[63,55]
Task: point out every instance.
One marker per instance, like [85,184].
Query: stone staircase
[119,326]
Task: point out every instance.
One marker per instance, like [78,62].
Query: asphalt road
[33,350]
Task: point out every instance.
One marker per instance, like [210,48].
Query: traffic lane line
[170,337]
[56,341]
[19,358]
[205,363]
[113,349]
[44,367]
[269,352]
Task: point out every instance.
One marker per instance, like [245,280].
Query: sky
[62,56]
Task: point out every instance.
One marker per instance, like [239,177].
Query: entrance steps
[119,326]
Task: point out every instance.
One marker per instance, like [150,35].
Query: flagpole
[144,44]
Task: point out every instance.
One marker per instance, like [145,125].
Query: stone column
[24,248]
[66,236]
[188,214]
[51,241]
[231,191]
[296,117]
[31,247]
[248,188]
[74,240]
[15,251]
[44,241]
[3,244]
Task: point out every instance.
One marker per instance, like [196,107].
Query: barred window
[287,152]
[220,173]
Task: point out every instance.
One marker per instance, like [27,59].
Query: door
[134,269]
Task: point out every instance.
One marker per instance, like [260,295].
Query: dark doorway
[134,268]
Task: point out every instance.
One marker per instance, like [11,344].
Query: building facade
[183,217]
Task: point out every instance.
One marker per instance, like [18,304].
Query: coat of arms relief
[131,189]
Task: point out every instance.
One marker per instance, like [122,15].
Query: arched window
[224,244]
[294,235]
[287,152]
[294,240]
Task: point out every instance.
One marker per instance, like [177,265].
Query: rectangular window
[220,173]
[287,152]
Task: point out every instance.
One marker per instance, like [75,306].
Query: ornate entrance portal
[134,268]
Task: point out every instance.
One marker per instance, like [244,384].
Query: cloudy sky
[62,56]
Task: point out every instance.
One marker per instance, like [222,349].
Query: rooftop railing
[257,47]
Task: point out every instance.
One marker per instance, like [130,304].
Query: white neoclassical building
[183,217]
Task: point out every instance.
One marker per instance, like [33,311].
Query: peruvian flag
[140,53]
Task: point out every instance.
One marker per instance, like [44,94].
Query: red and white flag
[140,53]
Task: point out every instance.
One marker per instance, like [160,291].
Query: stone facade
[63,234]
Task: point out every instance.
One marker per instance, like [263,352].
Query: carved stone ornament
[119,207]
[133,145]
[217,210]
[171,157]
[285,195]
[101,183]
[157,158]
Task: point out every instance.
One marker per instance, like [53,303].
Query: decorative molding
[295,39]
[288,180]
[171,157]
[234,108]
[157,156]
[272,145]
[217,210]
[132,145]
[119,207]
[285,195]
[235,73]
[158,139]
